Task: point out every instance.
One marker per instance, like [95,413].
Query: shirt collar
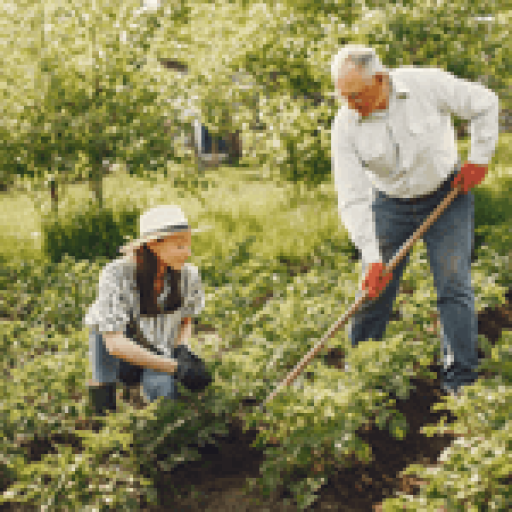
[399,91]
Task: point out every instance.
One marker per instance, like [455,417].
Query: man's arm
[354,194]
[475,103]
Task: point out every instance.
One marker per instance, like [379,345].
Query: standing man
[395,159]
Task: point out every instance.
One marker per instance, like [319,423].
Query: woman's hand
[173,366]
[185,331]
[184,334]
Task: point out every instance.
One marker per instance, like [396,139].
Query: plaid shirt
[118,296]
[409,149]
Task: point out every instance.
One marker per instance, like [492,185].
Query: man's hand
[470,176]
[375,280]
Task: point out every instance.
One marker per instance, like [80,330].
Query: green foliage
[485,216]
[288,71]
[295,142]
[43,295]
[87,232]
[64,479]
[114,107]
[475,470]
[275,270]
[88,102]
[267,316]
[442,35]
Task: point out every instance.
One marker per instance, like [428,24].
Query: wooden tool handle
[397,258]
[355,307]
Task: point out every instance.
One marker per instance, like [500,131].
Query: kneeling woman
[153,286]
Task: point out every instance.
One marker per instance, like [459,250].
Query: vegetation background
[94,132]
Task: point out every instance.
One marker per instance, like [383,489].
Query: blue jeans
[105,369]
[449,243]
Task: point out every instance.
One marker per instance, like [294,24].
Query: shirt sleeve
[473,102]
[111,308]
[354,195]
[194,298]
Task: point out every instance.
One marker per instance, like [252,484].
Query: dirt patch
[218,480]
[491,321]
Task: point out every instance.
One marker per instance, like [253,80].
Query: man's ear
[380,77]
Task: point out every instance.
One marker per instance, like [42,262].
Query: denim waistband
[426,197]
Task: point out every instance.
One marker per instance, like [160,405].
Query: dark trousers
[449,243]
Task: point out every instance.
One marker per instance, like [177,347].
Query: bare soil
[217,482]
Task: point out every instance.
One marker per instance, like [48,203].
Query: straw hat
[159,222]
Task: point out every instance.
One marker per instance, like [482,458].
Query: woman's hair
[146,271]
[365,59]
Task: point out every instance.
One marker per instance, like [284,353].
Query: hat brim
[135,244]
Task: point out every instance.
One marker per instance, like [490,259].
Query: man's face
[363,96]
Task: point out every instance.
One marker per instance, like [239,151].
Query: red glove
[469,176]
[375,280]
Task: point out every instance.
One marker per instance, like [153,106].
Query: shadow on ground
[218,479]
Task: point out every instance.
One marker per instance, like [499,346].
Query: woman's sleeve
[194,298]
[112,309]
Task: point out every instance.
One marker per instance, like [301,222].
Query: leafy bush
[475,471]
[269,297]
[87,233]
[296,141]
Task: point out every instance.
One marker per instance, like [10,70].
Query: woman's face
[173,251]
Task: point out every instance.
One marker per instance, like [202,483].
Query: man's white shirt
[409,149]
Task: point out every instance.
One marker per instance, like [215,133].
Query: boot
[102,398]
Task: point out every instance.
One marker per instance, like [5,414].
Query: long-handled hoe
[355,307]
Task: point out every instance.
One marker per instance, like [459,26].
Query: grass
[236,209]
[239,206]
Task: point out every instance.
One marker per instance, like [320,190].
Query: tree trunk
[198,160]
[215,151]
[96,185]
[54,196]
[235,147]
